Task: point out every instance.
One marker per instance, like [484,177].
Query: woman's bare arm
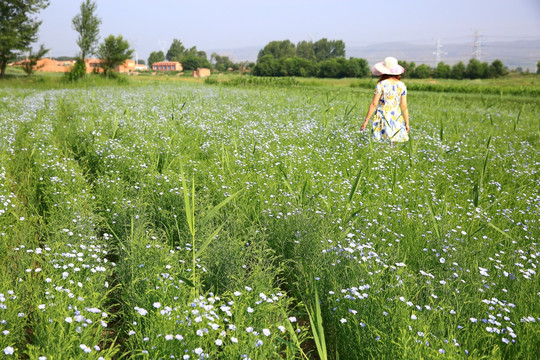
[405,111]
[371,109]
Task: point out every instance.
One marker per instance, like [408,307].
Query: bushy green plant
[77,72]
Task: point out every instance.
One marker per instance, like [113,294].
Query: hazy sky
[151,25]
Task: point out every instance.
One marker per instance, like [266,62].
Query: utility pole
[477,47]
[438,53]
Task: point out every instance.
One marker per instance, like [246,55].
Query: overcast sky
[151,25]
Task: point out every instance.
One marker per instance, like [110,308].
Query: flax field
[202,221]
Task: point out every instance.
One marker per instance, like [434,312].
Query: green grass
[163,216]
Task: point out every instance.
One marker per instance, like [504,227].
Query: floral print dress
[388,124]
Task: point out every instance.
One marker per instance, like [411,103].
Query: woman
[391,122]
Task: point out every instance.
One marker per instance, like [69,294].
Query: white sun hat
[389,66]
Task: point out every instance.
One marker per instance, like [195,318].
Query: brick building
[127,67]
[92,65]
[95,65]
[51,65]
[48,65]
[167,66]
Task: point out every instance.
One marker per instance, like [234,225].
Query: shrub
[78,71]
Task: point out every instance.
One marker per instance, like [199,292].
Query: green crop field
[159,219]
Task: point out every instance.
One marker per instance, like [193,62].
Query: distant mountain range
[513,54]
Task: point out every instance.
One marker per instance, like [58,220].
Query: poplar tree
[86,23]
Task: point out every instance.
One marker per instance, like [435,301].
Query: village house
[48,65]
[167,66]
[92,65]
[51,65]
[201,72]
[127,67]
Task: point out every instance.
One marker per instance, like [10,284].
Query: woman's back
[391,92]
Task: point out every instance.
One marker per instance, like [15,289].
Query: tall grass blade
[475,195]
[178,231]
[394,177]
[187,205]
[353,215]
[187,281]
[355,184]
[289,187]
[348,111]
[116,124]
[516,122]
[484,165]
[433,219]
[302,195]
[290,330]
[193,205]
[216,208]
[207,242]
[315,319]
[499,230]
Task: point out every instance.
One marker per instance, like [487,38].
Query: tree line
[475,69]
[326,59]
[323,58]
